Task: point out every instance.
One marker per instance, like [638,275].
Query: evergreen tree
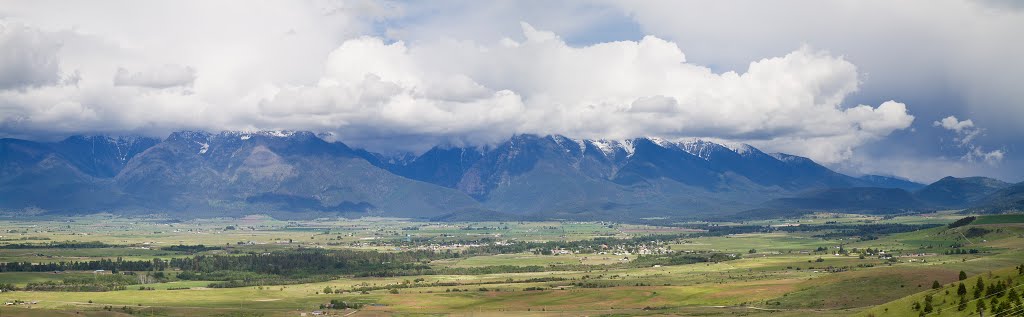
[928,304]
[979,287]
[1004,308]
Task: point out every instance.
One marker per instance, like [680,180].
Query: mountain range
[299,174]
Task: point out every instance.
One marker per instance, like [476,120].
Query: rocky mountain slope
[528,176]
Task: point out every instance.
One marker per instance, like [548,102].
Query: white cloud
[951,123]
[991,157]
[966,133]
[165,76]
[476,92]
[613,90]
[940,57]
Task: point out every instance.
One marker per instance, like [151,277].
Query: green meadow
[834,271]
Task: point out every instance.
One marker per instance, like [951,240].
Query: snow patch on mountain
[787,158]
[700,148]
[606,147]
[662,142]
[563,142]
[611,147]
[629,147]
[582,144]
[245,135]
[279,133]
[740,148]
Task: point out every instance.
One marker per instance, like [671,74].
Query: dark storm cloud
[28,57]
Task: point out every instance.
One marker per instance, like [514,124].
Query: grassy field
[777,273]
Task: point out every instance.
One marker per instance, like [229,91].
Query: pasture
[764,272]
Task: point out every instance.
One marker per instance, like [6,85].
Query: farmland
[821,264]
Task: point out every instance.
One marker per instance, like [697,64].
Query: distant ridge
[299,174]
[987,194]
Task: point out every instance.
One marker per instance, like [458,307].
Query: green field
[771,272]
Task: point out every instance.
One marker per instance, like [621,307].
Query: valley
[820,263]
[358,158]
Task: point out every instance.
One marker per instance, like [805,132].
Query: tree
[961,290]
[962,222]
[1004,308]
[928,304]
[981,307]
[936,285]
[963,275]
[327,290]
[963,303]
[979,287]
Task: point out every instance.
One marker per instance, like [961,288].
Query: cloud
[951,123]
[447,90]
[976,154]
[614,90]
[965,129]
[966,133]
[788,78]
[938,57]
[28,58]
[165,76]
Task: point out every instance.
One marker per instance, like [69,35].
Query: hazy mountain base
[976,194]
[299,175]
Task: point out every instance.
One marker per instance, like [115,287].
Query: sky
[919,89]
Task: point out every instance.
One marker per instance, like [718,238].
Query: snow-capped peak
[565,143]
[740,148]
[245,135]
[279,133]
[662,142]
[700,148]
[582,144]
[610,147]
[629,147]
[189,136]
[784,157]
[606,147]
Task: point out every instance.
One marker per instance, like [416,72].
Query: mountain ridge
[298,172]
